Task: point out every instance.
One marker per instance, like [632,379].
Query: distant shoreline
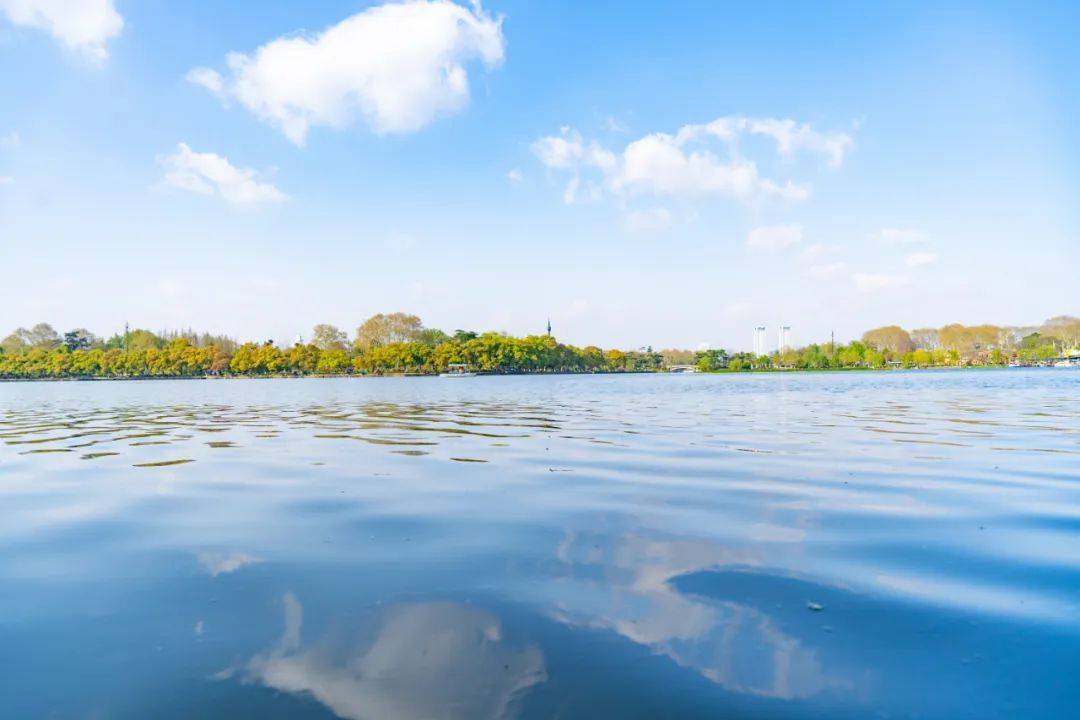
[398,344]
[319,376]
[374,376]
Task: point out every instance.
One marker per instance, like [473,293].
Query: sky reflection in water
[838,545]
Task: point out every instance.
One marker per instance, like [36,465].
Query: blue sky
[669,174]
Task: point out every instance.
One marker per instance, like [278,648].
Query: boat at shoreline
[457,370]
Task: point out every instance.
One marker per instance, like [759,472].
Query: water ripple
[804,545]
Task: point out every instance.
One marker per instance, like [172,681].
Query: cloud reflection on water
[698,517]
[420,660]
[738,646]
[223,563]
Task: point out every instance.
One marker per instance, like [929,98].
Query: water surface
[895,545]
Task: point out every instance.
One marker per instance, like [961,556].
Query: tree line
[952,345]
[384,344]
[397,343]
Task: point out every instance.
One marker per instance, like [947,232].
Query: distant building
[759,340]
[783,341]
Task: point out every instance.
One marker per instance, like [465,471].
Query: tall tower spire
[549,327]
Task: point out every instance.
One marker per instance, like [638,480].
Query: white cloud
[83,25]
[894,236]
[567,150]
[658,164]
[514,175]
[872,282]
[775,237]
[582,192]
[211,174]
[790,136]
[645,221]
[920,259]
[398,65]
[697,161]
[207,78]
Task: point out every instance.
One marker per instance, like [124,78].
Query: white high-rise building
[783,340]
[759,340]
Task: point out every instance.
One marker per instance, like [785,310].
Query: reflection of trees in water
[421,660]
[737,646]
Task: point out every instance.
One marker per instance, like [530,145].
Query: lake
[803,545]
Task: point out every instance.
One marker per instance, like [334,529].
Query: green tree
[875,358]
[139,340]
[305,359]
[711,360]
[432,337]
[78,339]
[333,362]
